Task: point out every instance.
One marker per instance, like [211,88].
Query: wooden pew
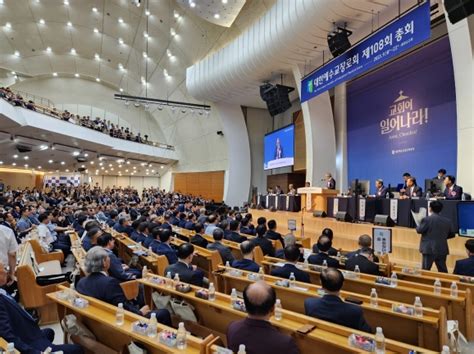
[42,256]
[99,317]
[32,295]
[383,264]
[326,337]
[459,308]
[4,344]
[428,331]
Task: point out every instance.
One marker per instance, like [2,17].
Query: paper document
[419,216]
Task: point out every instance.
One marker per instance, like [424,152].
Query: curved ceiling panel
[218,12]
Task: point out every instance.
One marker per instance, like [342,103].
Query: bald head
[259,299]
[365,241]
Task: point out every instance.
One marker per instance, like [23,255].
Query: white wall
[136,182]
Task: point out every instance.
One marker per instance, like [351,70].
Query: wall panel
[209,185]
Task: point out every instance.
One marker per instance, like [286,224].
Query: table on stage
[283,202]
[374,206]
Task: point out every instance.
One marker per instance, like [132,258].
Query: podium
[315,198]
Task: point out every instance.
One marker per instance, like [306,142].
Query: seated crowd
[150,219]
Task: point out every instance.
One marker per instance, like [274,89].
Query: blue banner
[402,118]
[408,31]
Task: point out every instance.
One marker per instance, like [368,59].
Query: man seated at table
[291,190]
[272,234]
[233,235]
[326,232]
[187,271]
[163,247]
[452,191]
[365,241]
[365,260]
[412,190]
[331,308]
[406,175]
[18,327]
[247,262]
[98,284]
[380,190]
[323,246]
[255,331]
[466,266]
[224,251]
[292,255]
[197,238]
[441,174]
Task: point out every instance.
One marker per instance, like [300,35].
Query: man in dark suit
[435,231]
[365,241]
[441,174]
[167,221]
[197,238]
[289,240]
[265,244]
[117,269]
[256,332]
[245,227]
[452,191]
[100,285]
[233,235]
[380,190]
[188,272]
[278,150]
[412,189]
[164,247]
[331,308]
[224,251]
[189,225]
[365,260]
[272,234]
[326,232]
[324,245]
[18,327]
[466,266]
[292,254]
[247,262]
[330,182]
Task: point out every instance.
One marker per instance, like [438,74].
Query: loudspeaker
[338,41]
[383,220]
[343,216]
[319,214]
[458,10]
[273,209]
[277,97]
[259,207]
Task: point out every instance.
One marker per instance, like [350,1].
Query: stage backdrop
[402,118]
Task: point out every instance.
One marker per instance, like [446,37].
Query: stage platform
[405,241]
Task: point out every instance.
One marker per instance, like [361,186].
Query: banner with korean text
[402,118]
[406,32]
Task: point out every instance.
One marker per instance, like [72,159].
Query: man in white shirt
[8,249]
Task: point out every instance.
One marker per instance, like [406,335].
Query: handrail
[47,107]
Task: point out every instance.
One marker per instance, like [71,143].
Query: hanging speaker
[458,10]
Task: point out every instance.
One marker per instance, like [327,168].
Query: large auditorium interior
[236,176]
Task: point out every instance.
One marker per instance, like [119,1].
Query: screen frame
[457,216]
[272,132]
[390,234]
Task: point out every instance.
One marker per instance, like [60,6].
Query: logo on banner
[310,86]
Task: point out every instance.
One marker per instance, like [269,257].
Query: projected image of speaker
[338,41]
[277,97]
[458,10]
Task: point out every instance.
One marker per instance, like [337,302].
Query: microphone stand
[356,211]
[302,221]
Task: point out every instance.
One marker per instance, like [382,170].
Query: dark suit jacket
[435,231]
[164,249]
[332,309]
[17,326]
[356,252]
[455,194]
[259,337]
[273,235]
[365,265]
[320,257]
[247,230]
[382,192]
[235,236]
[116,269]
[332,251]
[287,269]
[280,253]
[465,267]
[105,288]
[189,225]
[147,241]
[246,264]
[265,245]
[224,251]
[200,241]
[331,184]
[416,192]
[186,274]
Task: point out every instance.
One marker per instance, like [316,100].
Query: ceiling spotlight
[128,162]
[120,40]
[192,4]
[94,9]
[42,22]
[63,163]
[48,50]
[69,24]
[86,155]
[1,162]
[224,1]
[96,30]
[168,52]
[165,72]
[127,103]
[97,79]
[50,161]
[121,89]
[172,31]
[120,20]
[73,51]
[17,53]
[67,170]
[162,166]
[26,165]
[146,35]
[26,157]
[14,164]
[76,75]
[145,55]
[15,156]
[76,153]
[8,25]
[13,73]
[97,56]
[160,107]
[147,12]
[39,167]
[66,2]
[83,166]
[176,14]
[102,168]
[43,147]
[55,74]
[217,16]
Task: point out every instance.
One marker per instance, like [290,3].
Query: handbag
[133,348]
[72,326]
[161,301]
[183,309]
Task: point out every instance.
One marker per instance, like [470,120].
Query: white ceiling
[219,12]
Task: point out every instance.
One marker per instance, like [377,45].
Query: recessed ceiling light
[69,23]
[1,162]
[63,163]
[112,169]
[92,162]
[17,53]
[97,79]
[67,170]
[217,16]
[173,32]
[168,52]
[26,157]
[43,147]
[121,89]
[55,74]
[48,50]
[66,2]
[14,164]
[8,25]
[76,75]
[86,155]
[120,20]
[73,51]
[145,55]
[96,30]
[15,156]
[224,1]
[83,166]
[13,72]
[76,153]
[162,166]
[26,165]
[176,14]
[39,167]
[147,12]
[42,22]
[50,161]
[120,40]
[94,9]
[192,4]
[145,34]
[97,56]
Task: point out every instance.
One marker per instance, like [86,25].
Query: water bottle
[227,264]
[454,289]
[243,351]
[261,273]
[10,348]
[325,264]
[394,279]
[357,271]
[418,307]
[152,326]
[150,250]
[387,195]
[278,308]
[212,292]
[437,287]
[306,263]
[176,279]
[144,272]
[181,343]
[339,255]
[72,293]
[48,350]
[169,281]
[445,349]
[463,197]
[373,298]
[120,315]
[428,195]
[379,341]
[233,296]
[292,280]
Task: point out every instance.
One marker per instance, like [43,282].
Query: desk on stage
[316,198]
[284,202]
